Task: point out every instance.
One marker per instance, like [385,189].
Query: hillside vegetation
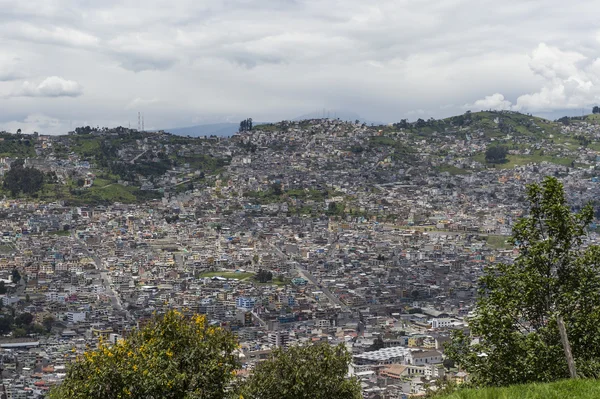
[568,389]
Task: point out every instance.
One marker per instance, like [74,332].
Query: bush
[303,372]
[172,357]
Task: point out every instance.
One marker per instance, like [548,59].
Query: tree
[596,110]
[16,276]
[24,319]
[276,189]
[23,179]
[496,154]
[264,276]
[19,332]
[2,288]
[5,324]
[555,275]
[377,344]
[246,125]
[171,357]
[303,372]
[48,322]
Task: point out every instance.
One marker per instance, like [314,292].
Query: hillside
[571,389]
[216,129]
[119,164]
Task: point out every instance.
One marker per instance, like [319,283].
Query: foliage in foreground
[304,372]
[175,357]
[516,322]
[172,357]
[571,389]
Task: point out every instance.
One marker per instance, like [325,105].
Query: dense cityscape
[305,231]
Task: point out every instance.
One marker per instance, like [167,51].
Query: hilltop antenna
[139,122]
[142,123]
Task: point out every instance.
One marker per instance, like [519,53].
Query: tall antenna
[139,122]
[142,123]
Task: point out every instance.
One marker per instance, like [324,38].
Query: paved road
[114,298]
[308,276]
[136,158]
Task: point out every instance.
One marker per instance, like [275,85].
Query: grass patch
[6,249]
[238,275]
[498,242]
[60,233]
[518,160]
[112,193]
[98,182]
[571,389]
[453,170]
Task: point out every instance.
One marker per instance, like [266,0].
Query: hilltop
[118,164]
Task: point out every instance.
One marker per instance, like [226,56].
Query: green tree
[303,372]
[377,344]
[2,288]
[16,276]
[276,189]
[23,179]
[48,322]
[264,276]
[496,154]
[19,332]
[171,357]
[5,324]
[556,274]
[24,319]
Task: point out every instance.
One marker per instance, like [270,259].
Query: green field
[568,389]
[498,242]
[60,233]
[453,170]
[518,160]
[239,276]
[6,249]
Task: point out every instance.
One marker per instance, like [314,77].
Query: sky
[185,62]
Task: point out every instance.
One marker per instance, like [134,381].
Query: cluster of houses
[366,245]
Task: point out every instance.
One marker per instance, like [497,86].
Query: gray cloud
[274,59]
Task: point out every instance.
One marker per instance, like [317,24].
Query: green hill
[568,389]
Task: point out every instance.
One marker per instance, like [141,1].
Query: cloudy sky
[186,62]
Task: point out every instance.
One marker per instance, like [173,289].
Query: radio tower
[139,122]
[143,123]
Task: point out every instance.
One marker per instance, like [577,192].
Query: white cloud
[34,123]
[273,59]
[138,102]
[53,86]
[495,102]
[49,34]
[570,80]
